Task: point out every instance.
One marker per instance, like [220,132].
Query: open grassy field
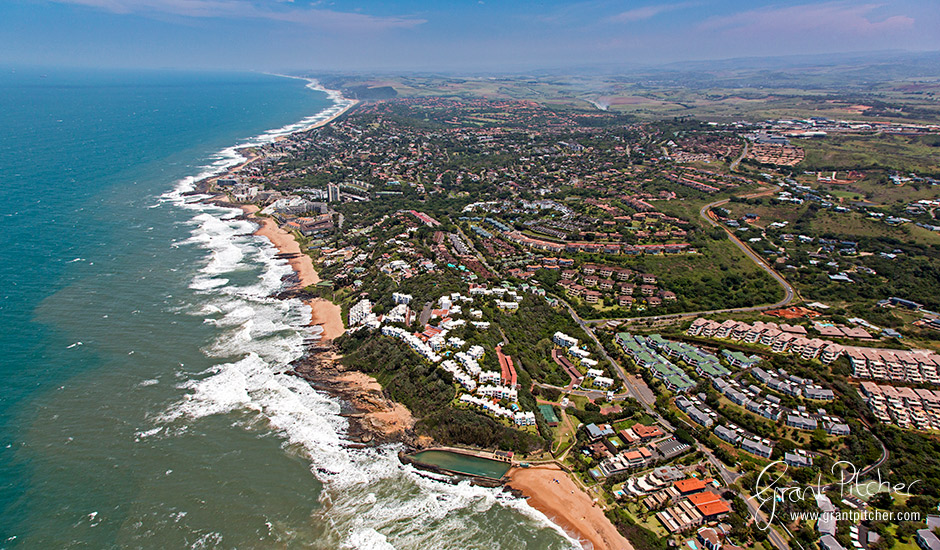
[919,154]
[857,225]
[877,190]
[768,213]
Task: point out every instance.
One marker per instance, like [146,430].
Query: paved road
[476,252]
[789,293]
[734,164]
[647,400]
[425,315]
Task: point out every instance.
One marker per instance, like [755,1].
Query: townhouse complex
[782,338]
[917,408]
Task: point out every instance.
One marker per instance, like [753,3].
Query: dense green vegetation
[914,459]
[428,391]
[641,537]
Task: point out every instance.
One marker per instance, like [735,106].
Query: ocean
[142,401]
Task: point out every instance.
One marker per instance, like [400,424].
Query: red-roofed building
[709,505]
[646,432]
[507,369]
[691,485]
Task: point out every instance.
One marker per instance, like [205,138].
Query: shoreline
[374,417]
[550,490]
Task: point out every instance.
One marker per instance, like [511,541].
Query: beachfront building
[359,312]
[413,342]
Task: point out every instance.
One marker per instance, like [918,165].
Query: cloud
[647,12]
[249,9]
[830,18]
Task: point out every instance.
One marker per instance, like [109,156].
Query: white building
[563,340]
[400,298]
[359,312]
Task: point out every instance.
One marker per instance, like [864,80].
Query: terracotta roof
[713,508]
[705,497]
[690,485]
[644,431]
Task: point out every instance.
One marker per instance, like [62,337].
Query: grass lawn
[868,152]
[650,522]
[858,225]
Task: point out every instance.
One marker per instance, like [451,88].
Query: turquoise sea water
[141,401]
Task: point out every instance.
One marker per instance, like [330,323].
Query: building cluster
[914,366]
[578,364]
[782,338]
[696,410]
[916,408]
[688,503]
[737,437]
[705,364]
[779,154]
[706,181]
[394,154]
[591,247]
[792,385]
[644,356]
[769,406]
[481,388]
[628,449]
[593,282]
[292,212]
[822,126]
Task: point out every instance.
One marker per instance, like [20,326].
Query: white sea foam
[370,499]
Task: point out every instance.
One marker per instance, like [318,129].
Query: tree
[882,500]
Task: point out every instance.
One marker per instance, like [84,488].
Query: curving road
[789,293]
[647,399]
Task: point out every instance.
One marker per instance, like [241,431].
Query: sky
[462,35]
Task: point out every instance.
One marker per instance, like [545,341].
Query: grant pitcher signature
[769,489]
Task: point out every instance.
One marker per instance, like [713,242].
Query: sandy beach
[323,312]
[567,506]
[338,114]
[286,245]
[328,315]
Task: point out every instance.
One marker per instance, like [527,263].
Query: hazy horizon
[272,35]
